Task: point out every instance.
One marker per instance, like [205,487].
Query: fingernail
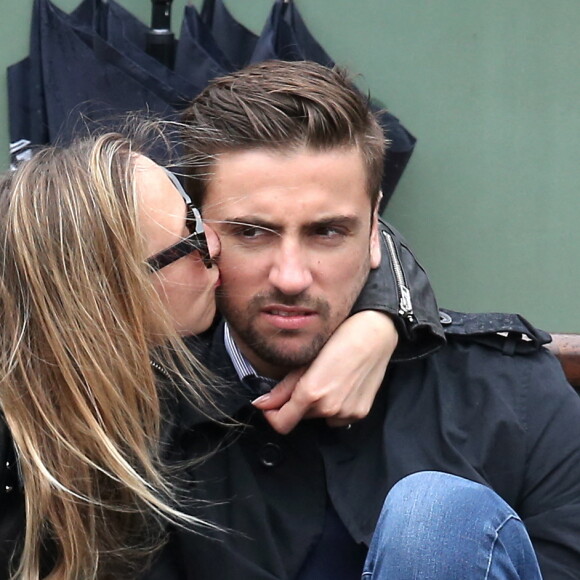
[261,399]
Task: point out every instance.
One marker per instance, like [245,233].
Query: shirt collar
[242,365]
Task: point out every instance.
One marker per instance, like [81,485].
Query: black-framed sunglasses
[195,242]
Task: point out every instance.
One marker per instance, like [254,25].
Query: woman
[104,269]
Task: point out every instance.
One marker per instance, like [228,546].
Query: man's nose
[290,272]
[213,241]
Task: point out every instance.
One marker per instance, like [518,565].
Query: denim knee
[429,495]
[436,525]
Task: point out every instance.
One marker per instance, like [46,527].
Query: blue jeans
[439,526]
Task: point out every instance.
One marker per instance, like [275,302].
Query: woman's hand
[342,382]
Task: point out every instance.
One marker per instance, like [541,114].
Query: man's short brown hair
[281,106]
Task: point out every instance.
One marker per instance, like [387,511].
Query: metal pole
[160,41]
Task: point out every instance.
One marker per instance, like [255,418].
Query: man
[288,166]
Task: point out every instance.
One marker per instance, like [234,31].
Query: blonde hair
[79,319]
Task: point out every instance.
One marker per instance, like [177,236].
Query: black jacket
[494,408]
[399,287]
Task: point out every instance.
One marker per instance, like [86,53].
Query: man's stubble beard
[264,347]
[273,354]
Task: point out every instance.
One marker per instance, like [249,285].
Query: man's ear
[375,245]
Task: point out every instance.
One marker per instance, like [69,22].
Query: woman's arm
[343,380]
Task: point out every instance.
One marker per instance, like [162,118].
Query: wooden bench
[567,348]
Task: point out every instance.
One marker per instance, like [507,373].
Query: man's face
[298,238]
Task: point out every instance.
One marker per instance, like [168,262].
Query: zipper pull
[405,304]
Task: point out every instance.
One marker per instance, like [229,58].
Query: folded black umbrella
[235,41]
[87,78]
[26,91]
[286,36]
[302,38]
[187,78]
[198,55]
[402,143]
[27,112]
[20,117]
[277,39]
[72,73]
[92,67]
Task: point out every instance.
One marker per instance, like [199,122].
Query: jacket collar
[229,398]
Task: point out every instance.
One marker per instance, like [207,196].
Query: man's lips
[288,317]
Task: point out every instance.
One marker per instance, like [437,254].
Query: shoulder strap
[509,333]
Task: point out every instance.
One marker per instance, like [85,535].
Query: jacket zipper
[405,304]
[159,368]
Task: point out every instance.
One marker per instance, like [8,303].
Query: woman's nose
[213,241]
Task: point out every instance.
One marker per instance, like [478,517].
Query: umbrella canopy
[198,54]
[285,36]
[234,39]
[302,37]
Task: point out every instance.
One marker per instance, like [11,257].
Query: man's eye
[329,232]
[248,232]
[251,232]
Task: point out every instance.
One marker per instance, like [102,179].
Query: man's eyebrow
[247,220]
[350,221]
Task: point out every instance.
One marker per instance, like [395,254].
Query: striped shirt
[257,385]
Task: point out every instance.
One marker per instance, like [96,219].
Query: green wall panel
[492,91]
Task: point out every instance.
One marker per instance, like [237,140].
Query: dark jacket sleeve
[400,287]
[550,502]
